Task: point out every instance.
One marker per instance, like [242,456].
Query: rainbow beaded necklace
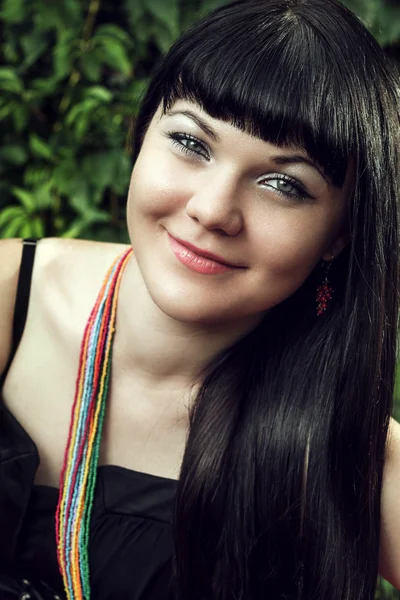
[78,476]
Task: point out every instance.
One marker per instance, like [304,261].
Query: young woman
[211,412]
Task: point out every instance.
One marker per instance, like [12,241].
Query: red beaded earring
[324,291]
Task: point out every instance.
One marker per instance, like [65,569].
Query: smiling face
[202,189]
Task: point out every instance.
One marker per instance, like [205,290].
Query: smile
[197,259]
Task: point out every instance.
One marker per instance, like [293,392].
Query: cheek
[155,188]
[289,245]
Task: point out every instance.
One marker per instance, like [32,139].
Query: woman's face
[203,189]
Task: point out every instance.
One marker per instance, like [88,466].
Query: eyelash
[301,195]
[177,138]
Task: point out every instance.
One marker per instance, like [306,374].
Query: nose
[216,204]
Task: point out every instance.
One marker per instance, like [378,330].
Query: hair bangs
[291,96]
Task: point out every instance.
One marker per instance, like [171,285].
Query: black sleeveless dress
[130,539]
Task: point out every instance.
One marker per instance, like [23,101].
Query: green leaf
[13,229]
[61,16]
[37,228]
[209,5]
[10,213]
[83,108]
[26,198]
[113,54]
[76,229]
[82,127]
[134,12]
[68,181]
[110,234]
[47,87]
[110,30]
[71,12]
[9,81]
[91,66]
[382,19]
[20,117]
[44,198]
[26,231]
[93,216]
[40,148]
[6,109]
[14,154]
[10,52]
[166,12]
[389,25]
[102,168]
[100,93]
[385,591]
[36,174]
[79,196]
[33,45]
[80,117]
[64,176]
[83,223]
[122,175]
[13,11]
[98,168]
[133,94]
[161,35]
[80,199]
[64,54]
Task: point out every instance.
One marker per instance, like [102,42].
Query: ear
[336,247]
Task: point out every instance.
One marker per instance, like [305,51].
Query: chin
[184,308]
[189,305]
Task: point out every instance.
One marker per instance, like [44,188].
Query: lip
[204,253]
[197,259]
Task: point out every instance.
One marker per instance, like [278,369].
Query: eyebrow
[296,159]
[199,122]
[282,160]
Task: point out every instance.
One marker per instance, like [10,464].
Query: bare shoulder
[393,447]
[76,254]
[10,259]
[390,516]
[394,437]
[68,274]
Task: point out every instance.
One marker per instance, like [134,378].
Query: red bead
[324,296]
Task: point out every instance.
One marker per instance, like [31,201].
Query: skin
[389,565]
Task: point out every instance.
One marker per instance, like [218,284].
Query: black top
[130,546]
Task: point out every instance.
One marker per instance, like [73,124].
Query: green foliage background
[72,73]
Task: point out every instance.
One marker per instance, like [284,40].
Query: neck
[158,349]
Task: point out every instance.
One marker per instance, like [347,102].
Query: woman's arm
[10,260]
[390,522]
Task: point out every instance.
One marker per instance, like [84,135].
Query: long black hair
[279,492]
